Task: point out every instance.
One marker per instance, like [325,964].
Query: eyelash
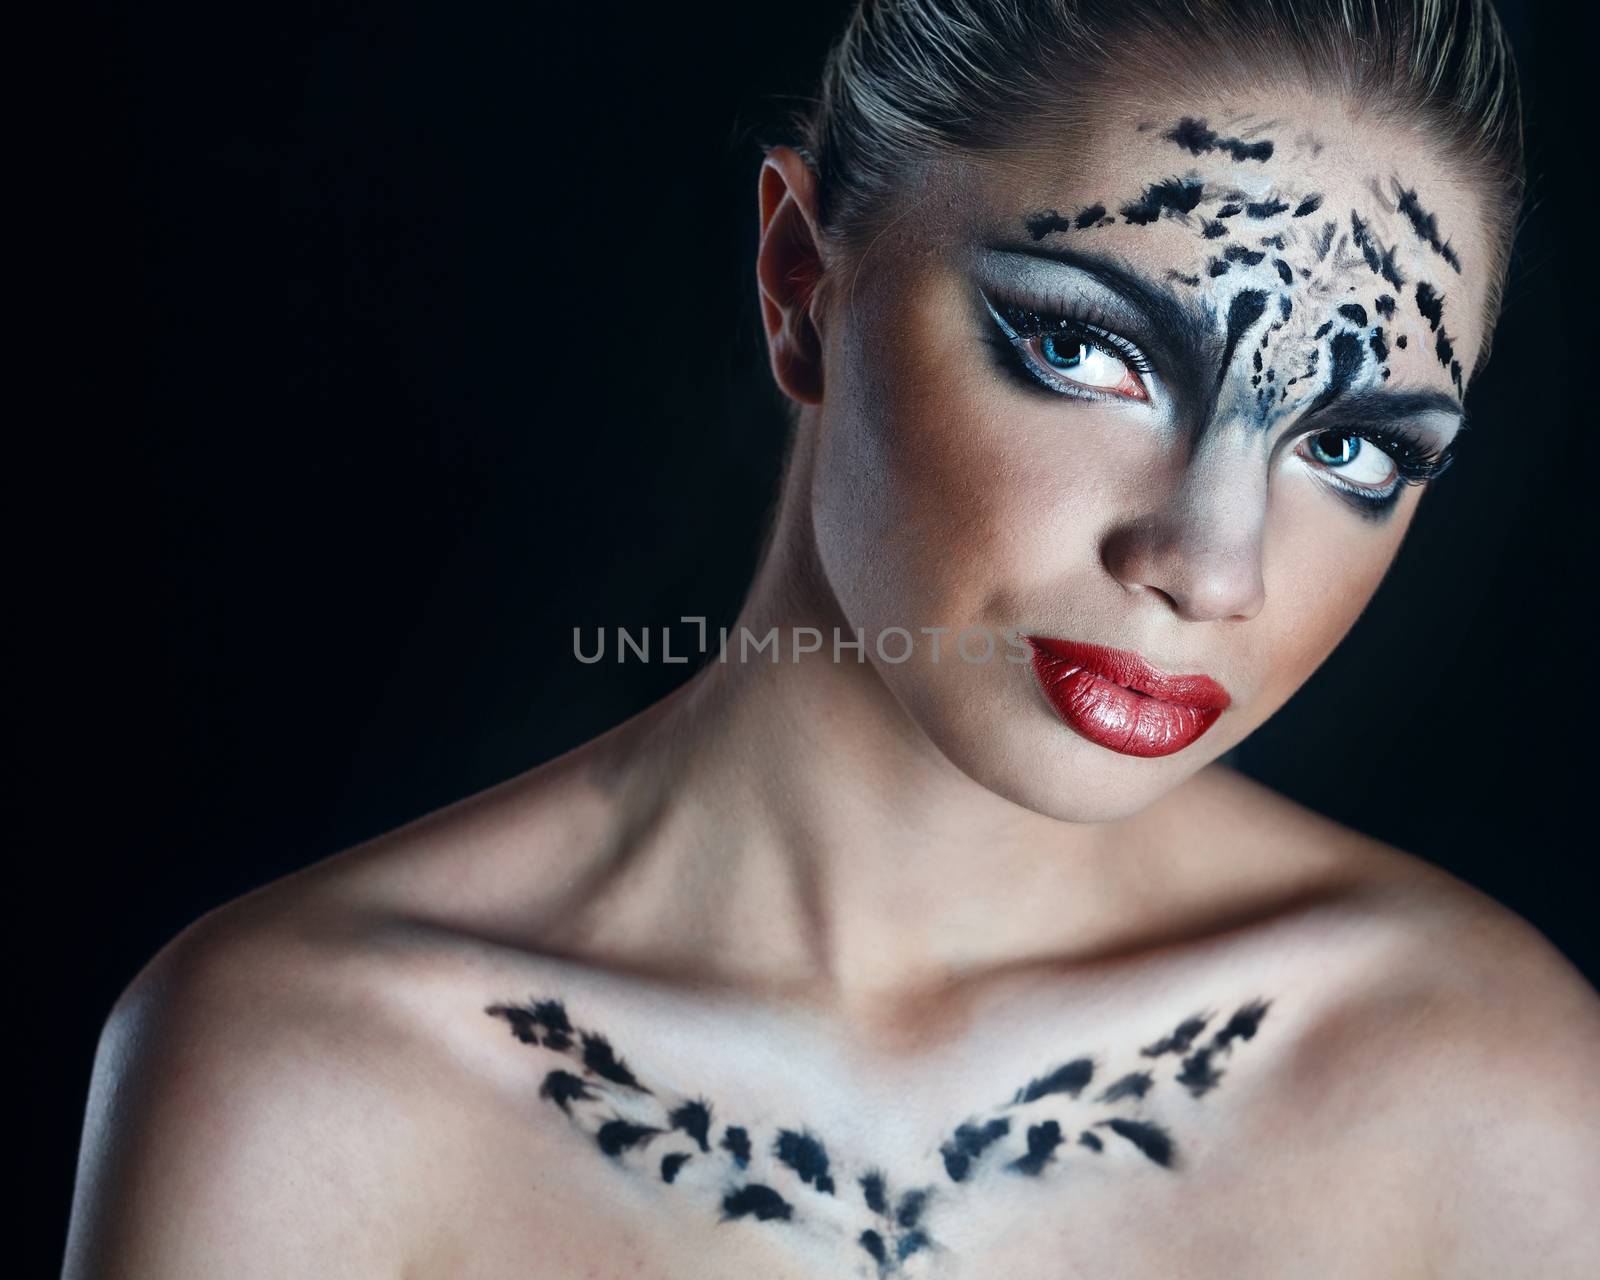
[1416,461]
[1020,322]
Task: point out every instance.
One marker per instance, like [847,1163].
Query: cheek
[1320,576]
[941,490]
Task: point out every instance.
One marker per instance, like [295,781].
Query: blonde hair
[910,80]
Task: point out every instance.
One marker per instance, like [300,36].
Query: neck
[796,830]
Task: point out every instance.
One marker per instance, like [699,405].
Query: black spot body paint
[1380,348]
[694,1118]
[1285,306]
[1218,267]
[872,1242]
[1308,206]
[617,1136]
[1069,1078]
[1273,241]
[806,1156]
[1180,195]
[1425,224]
[898,1228]
[563,1088]
[1180,1040]
[757,1201]
[1133,1085]
[1384,306]
[1243,1025]
[1043,1139]
[1268,208]
[671,1163]
[1401,342]
[1150,1138]
[1211,230]
[1238,253]
[1325,239]
[599,1058]
[970,1142]
[1230,211]
[1355,312]
[1197,139]
[736,1142]
[1282,268]
[1324,331]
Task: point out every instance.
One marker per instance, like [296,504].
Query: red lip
[1118,700]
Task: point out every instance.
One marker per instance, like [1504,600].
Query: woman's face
[1160,392]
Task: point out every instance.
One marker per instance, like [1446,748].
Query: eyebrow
[1172,319]
[1380,406]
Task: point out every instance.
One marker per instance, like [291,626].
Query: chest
[1176,1154]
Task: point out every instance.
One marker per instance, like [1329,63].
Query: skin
[861,968]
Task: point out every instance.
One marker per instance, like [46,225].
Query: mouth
[1116,699]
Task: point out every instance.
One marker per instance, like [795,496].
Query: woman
[922,932]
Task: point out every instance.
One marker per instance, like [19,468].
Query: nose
[1200,549]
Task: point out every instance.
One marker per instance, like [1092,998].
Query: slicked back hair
[912,80]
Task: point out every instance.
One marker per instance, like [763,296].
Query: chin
[1041,765]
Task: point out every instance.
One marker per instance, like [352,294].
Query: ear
[788,270]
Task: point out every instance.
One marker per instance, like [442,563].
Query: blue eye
[1344,451]
[1062,353]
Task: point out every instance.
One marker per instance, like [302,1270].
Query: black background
[382,345]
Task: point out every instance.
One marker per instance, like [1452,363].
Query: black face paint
[1384,306]
[1354,311]
[1245,309]
[1265,208]
[1425,224]
[1308,206]
[1379,258]
[1197,139]
[1347,356]
[1180,195]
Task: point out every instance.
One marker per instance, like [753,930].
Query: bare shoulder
[270,1088]
[249,1100]
[1465,1070]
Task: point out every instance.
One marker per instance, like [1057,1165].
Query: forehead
[1332,216]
